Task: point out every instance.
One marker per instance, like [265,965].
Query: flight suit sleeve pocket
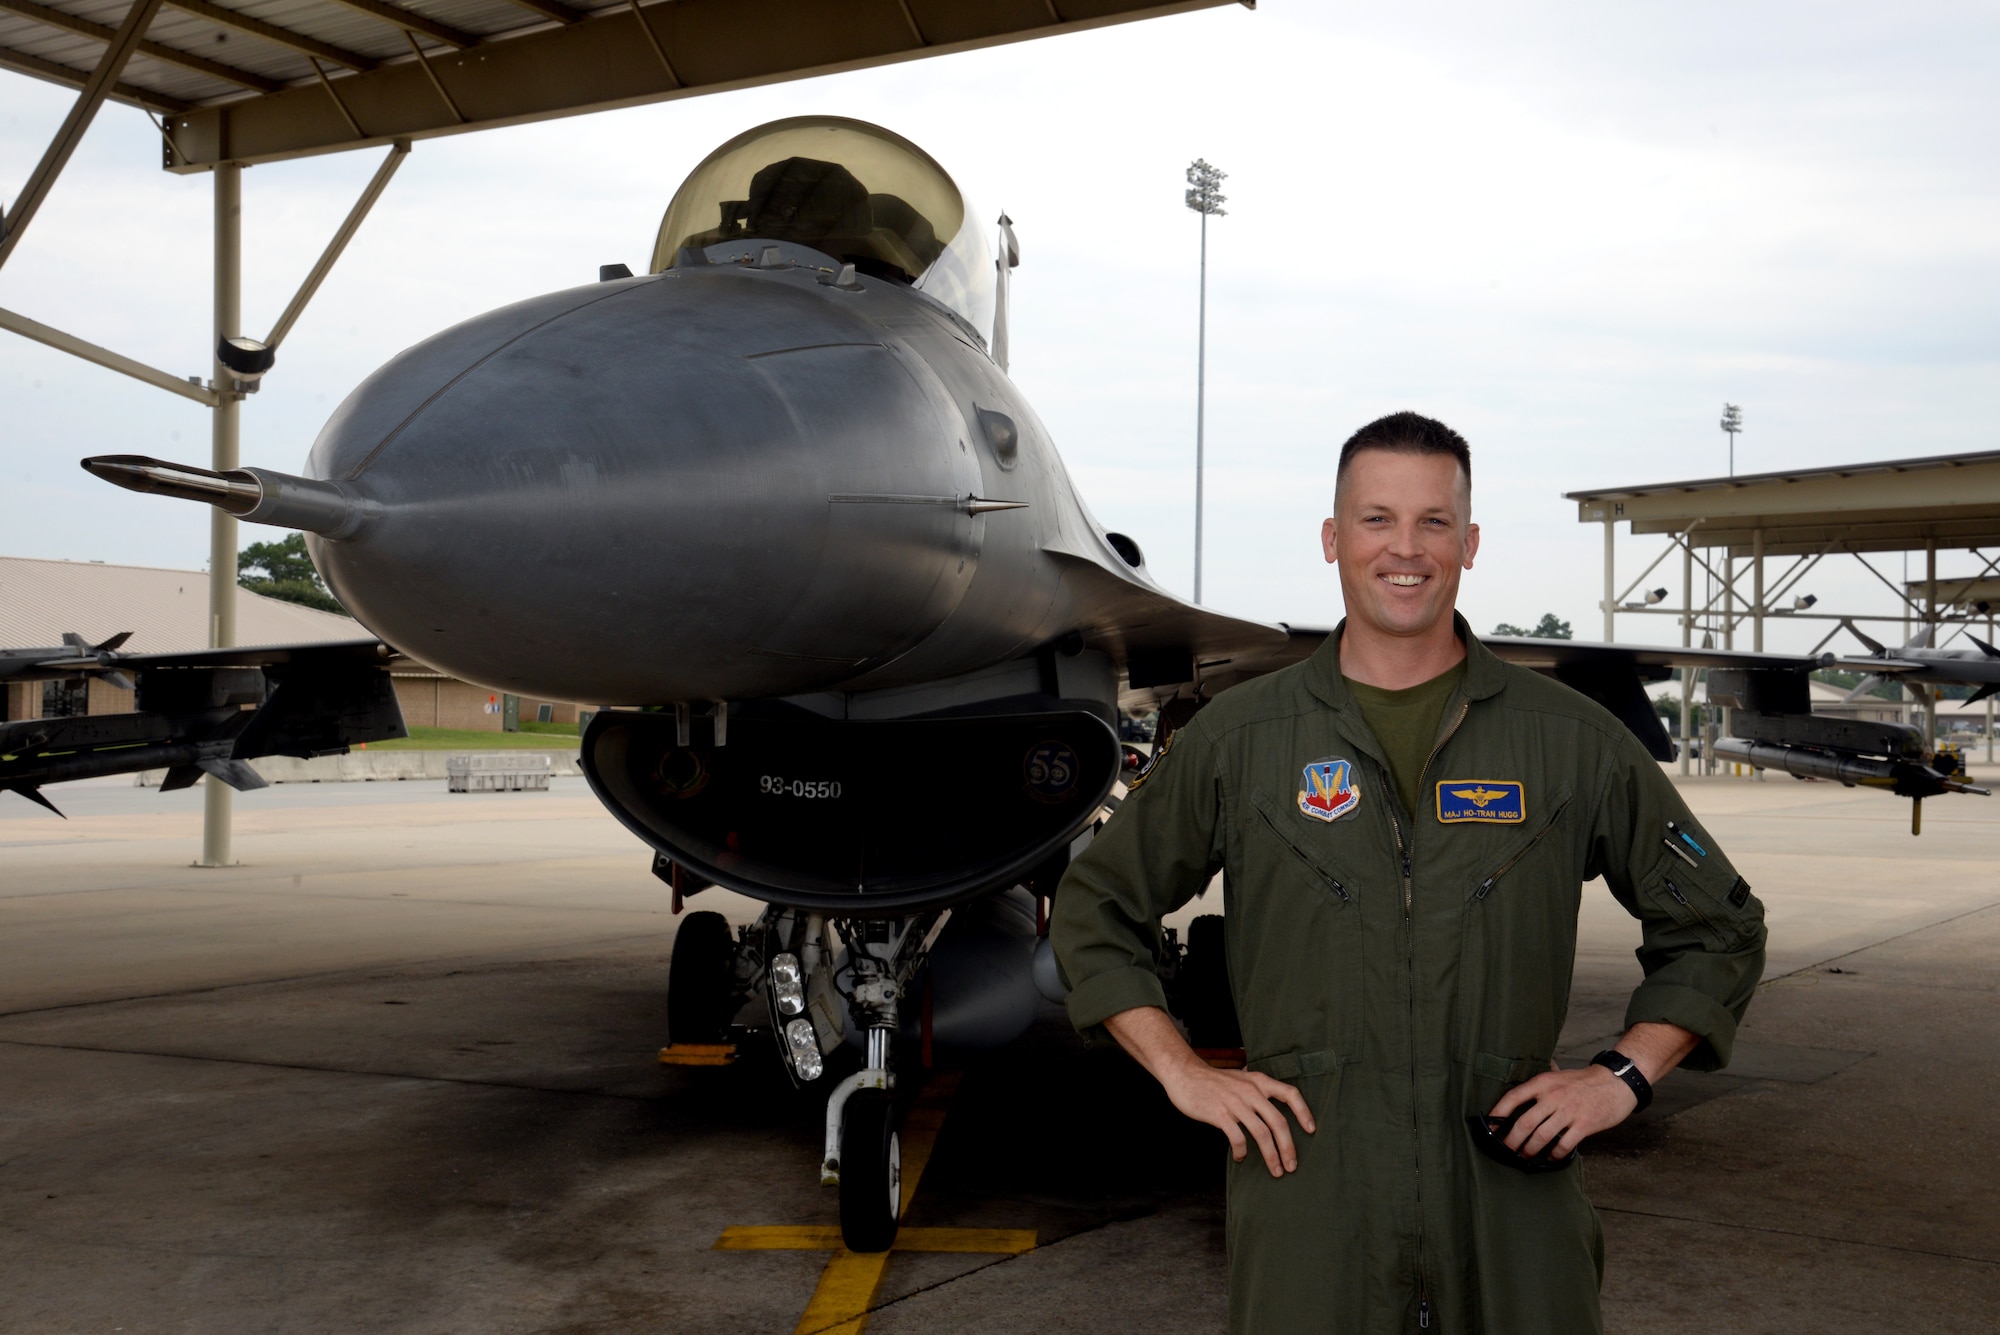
[1711,901]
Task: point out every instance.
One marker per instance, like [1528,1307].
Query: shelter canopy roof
[263,80]
[1894,505]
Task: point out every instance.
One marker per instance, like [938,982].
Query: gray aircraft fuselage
[722,481]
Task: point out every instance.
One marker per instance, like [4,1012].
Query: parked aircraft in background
[1919,664]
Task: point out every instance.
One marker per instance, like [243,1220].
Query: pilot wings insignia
[1468,801]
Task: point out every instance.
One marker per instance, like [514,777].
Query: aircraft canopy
[853,191]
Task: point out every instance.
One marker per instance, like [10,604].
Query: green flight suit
[1404,971]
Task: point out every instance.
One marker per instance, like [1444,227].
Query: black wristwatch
[1622,1066]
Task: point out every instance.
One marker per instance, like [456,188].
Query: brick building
[167,612]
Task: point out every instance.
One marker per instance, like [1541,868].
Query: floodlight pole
[1204,198]
[1200,400]
[225,453]
[1732,422]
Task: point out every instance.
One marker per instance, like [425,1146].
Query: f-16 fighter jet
[862,647]
[1920,665]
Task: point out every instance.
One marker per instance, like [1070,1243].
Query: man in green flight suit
[1405,824]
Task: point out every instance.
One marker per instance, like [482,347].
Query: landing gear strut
[863,1155]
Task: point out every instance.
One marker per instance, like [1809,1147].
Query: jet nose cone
[713,485]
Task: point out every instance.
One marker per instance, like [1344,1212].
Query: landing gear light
[788,988]
[802,1045]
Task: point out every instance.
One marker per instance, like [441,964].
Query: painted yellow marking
[698,1054]
[778,1238]
[846,1291]
[920,1131]
[815,1237]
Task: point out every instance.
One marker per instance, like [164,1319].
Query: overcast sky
[1570,230]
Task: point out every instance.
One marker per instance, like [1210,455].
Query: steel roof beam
[604,61]
[411,21]
[271,32]
[345,233]
[56,18]
[117,54]
[105,357]
[550,9]
[70,77]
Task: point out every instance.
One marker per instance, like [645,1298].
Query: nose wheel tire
[699,1001]
[871,1172]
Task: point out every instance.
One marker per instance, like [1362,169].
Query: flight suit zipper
[1410,988]
[1303,856]
[1688,904]
[1486,886]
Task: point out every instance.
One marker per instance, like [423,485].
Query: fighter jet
[862,647]
[1919,664]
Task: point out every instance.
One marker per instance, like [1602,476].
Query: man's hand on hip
[1243,1105]
[1571,1106]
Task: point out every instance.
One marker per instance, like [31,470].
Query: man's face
[1401,533]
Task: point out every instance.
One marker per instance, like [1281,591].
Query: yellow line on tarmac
[920,1131]
[991,1241]
[778,1238]
[846,1291]
[822,1238]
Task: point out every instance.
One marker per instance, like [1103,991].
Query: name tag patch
[1470,801]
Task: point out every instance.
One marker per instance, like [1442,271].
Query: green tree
[286,573]
[1550,627]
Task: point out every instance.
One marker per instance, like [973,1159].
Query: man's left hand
[1573,1105]
[1569,1106]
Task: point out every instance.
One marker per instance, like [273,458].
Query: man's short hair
[1406,433]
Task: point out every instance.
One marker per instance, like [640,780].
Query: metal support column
[225,424]
[1757,590]
[1989,700]
[1757,605]
[1729,629]
[1687,640]
[1930,638]
[1610,582]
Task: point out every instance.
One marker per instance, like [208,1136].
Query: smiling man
[1405,824]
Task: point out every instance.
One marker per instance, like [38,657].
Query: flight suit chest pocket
[1295,934]
[1518,942]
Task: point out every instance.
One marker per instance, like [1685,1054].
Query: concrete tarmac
[396,1072]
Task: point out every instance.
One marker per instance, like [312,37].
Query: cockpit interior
[852,191]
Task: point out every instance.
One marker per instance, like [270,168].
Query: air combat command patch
[1469,801]
[1330,791]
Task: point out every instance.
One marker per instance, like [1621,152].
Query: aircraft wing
[206,711]
[1167,646]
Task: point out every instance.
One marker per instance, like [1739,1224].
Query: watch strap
[1622,1066]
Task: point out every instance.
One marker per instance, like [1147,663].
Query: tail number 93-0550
[772,785]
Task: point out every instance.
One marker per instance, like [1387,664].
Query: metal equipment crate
[499,772]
